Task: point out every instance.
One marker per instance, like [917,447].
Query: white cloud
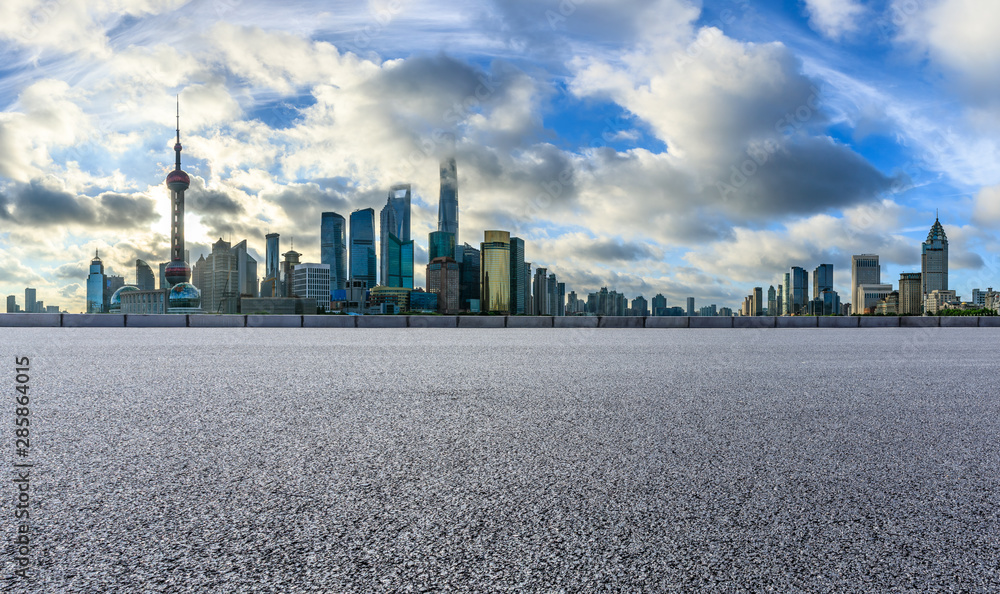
[986,209]
[834,18]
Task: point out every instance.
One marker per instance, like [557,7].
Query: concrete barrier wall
[959,321]
[93,321]
[798,322]
[156,320]
[215,321]
[481,321]
[433,321]
[710,322]
[879,321]
[989,322]
[576,322]
[620,322]
[668,322]
[755,322]
[34,320]
[838,322]
[529,321]
[919,321]
[330,321]
[381,321]
[277,321]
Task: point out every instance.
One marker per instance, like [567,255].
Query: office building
[390,300]
[29,300]
[333,248]
[870,295]
[495,272]
[218,278]
[658,303]
[395,242]
[888,306]
[12,304]
[270,286]
[822,279]
[363,261]
[470,273]
[112,283]
[690,307]
[443,279]
[640,307]
[246,270]
[865,270]
[291,260]
[448,199]
[441,244]
[518,278]
[911,296]
[95,286]
[938,300]
[561,299]
[934,260]
[772,301]
[979,296]
[145,280]
[797,291]
[540,293]
[312,281]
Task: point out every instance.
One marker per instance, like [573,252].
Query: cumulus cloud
[46,203]
[986,207]
[834,18]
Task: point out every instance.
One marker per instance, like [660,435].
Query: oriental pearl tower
[183,295]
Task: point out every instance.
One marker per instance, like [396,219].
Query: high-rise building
[822,279]
[529,307]
[865,270]
[333,248]
[95,286]
[363,262]
[934,260]
[772,301]
[561,299]
[757,301]
[291,260]
[395,225]
[111,284]
[246,268]
[443,278]
[11,304]
[448,199]
[639,306]
[797,291]
[658,303]
[495,272]
[30,305]
[780,296]
[144,277]
[469,284]
[440,244]
[312,281]
[690,307]
[517,277]
[218,278]
[869,296]
[271,285]
[911,296]
[540,296]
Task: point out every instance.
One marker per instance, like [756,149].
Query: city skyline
[567,140]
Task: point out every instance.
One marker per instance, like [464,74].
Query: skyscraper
[11,304]
[822,279]
[469,284]
[95,285]
[144,277]
[934,260]
[911,296]
[333,248]
[443,278]
[30,303]
[395,223]
[797,291]
[495,272]
[448,199]
[772,301]
[865,270]
[246,268]
[659,304]
[312,281]
[291,260]
[363,262]
[272,267]
[217,276]
[441,244]
[517,277]
[690,306]
[540,296]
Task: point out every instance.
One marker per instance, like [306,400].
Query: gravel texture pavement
[268,460]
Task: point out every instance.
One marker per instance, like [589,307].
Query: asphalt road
[509,460]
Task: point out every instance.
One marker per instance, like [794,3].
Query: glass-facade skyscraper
[395,223]
[363,262]
[448,199]
[934,261]
[797,291]
[518,278]
[399,263]
[495,272]
[333,248]
[469,271]
[822,279]
[441,245]
[95,285]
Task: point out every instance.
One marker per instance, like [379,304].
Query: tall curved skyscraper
[448,200]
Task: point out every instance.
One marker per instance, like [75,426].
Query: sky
[651,146]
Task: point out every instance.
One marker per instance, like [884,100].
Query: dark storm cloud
[610,251]
[123,211]
[806,176]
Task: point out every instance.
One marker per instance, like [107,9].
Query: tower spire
[177,147]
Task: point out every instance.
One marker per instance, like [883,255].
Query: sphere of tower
[184,295]
[177,271]
[178,181]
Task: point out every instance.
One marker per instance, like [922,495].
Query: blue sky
[652,146]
